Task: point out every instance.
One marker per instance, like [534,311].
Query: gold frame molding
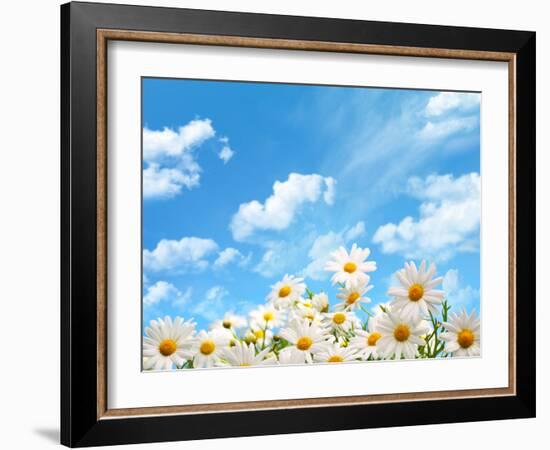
[103,36]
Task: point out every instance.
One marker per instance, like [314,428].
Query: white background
[128,387]
[29,237]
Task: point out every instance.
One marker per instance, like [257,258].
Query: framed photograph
[276,224]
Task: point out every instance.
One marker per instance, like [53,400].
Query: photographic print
[308,224]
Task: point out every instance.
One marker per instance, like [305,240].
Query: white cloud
[279,209]
[451,101]
[448,219]
[272,262]
[213,305]
[171,161]
[456,295]
[186,254]
[166,182]
[226,154]
[231,255]
[169,142]
[440,130]
[164,291]
[319,252]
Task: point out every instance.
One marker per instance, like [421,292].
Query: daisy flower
[287,291]
[352,296]
[267,316]
[365,341]
[257,335]
[320,302]
[291,356]
[167,342]
[350,267]
[335,353]
[399,335]
[416,295]
[208,347]
[304,337]
[230,321]
[341,321]
[242,354]
[305,310]
[462,334]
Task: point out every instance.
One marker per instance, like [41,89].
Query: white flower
[305,310]
[230,321]
[291,356]
[416,295]
[341,321]
[462,334]
[305,337]
[168,342]
[257,335]
[208,347]
[352,296]
[267,316]
[399,335]
[287,291]
[242,354]
[335,353]
[320,302]
[350,268]
[365,341]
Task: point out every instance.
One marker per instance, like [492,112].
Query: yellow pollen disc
[244,365]
[335,359]
[259,334]
[207,347]
[401,332]
[416,292]
[350,267]
[465,338]
[309,315]
[268,315]
[304,343]
[307,304]
[339,318]
[226,324]
[285,291]
[352,298]
[373,338]
[250,338]
[167,347]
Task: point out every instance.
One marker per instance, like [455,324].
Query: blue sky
[246,182]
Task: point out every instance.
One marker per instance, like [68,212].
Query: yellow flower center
[339,318]
[250,338]
[416,292]
[244,365]
[259,334]
[373,338]
[350,267]
[309,315]
[226,324]
[167,347]
[268,315]
[465,338]
[335,359]
[352,298]
[401,332]
[285,291]
[307,304]
[304,343]
[207,347]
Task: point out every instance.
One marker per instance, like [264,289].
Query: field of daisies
[298,326]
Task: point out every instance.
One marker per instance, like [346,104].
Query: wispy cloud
[231,255]
[459,295]
[452,101]
[162,291]
[448,221]
[279,209]
[213,305]
[187,254]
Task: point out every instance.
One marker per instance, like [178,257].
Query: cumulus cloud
[279,209]
[186,254]
[170,160]
[230,255]
[448,220]
[164,291]
[444,102]
[457,294]
[319,253]
[226,154]
[440,130]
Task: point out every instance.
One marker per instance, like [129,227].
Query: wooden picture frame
[86,418]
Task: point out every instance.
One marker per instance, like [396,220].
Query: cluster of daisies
[297,326]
